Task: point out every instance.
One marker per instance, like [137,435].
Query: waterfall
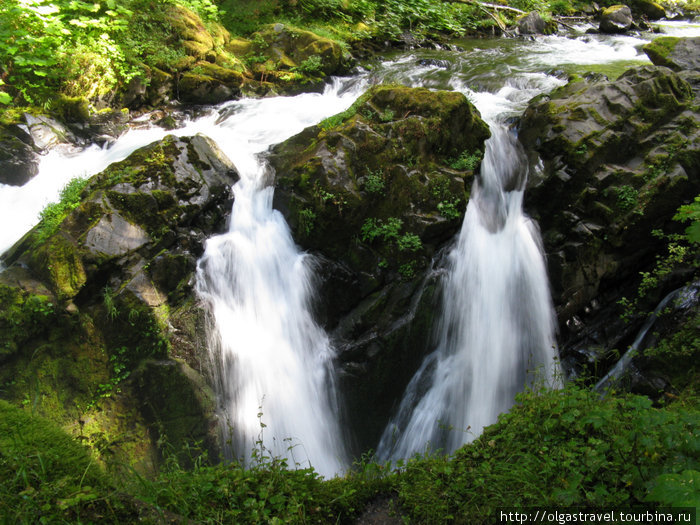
[275,375]
[496,334]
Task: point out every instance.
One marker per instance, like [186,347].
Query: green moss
[659,49]
[59,262]
[23,316]
[156,211]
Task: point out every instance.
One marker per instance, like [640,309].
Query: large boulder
[217,67]
[674,52]
[648,8]
[111,346]
[531,24]
[619,159]
[616,19]
[375,193]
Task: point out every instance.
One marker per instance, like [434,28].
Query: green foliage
[558,448]
[690,213]
[22,316]
[448,209]
[676,490]
[387,231]
[680,251]
[627,198]
[46,476]
[46,43]
[53,214]
[555,448]
[409,242]
[466,161]
[311,67]
[307,221]
[374,183]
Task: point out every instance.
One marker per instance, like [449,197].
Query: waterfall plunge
[497,329]
[274,363]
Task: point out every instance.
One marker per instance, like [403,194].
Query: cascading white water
[497,329]
[274,361]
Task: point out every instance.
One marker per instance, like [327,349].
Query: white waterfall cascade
[497,329]
[274,362]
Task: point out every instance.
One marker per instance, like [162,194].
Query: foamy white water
[274,362]
[497,332]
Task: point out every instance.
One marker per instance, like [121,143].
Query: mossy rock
[92,309]
[24,314]
[384,160]
[374,193]
[674,52]
[203,89]
[648,8]
[180,405]
[619,159]
[189,26]
[290,57]
[71,109]
[616,19]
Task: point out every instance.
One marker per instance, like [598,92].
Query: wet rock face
[619,158]
[374,193]
[616,19]
[112,284]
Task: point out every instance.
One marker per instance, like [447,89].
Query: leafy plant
[448,209]
[409,242]
[307,221]
[466,161]
[627,197]
[690,213]
[374,183]
[312,66]
[373,229]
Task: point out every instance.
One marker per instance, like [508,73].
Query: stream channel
[275,363]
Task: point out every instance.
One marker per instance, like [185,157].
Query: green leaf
[5,98]
[677,490]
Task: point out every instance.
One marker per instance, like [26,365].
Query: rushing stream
[276,379]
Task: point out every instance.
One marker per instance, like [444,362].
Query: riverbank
[72,60]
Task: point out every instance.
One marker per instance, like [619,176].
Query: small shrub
[374,183]
[409,242]
[307,221]
[466,161]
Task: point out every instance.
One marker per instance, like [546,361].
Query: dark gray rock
[531,24]
[19,161]
[619,159]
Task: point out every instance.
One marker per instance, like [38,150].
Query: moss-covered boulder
[100,331]
[674,52]
[619,159]
[616,19]
[648,8]
[375,192]
[208,66]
